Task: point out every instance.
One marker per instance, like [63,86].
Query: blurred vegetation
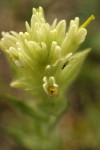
[81,121]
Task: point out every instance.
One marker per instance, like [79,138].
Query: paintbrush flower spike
[43,56]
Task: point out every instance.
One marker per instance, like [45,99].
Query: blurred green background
[82,119]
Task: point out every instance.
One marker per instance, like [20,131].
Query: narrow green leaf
[28,110]
[71,70]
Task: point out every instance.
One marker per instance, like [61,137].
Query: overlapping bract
[43,55]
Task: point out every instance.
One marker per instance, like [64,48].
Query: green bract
[44,58]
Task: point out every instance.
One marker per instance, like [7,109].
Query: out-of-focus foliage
[81,122]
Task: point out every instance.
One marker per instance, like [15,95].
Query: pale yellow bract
[40,53]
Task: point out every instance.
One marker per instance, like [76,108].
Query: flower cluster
[43,56]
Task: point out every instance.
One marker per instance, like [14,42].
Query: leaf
[71,70]
[28,110]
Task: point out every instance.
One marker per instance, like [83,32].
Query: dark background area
[82,120]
